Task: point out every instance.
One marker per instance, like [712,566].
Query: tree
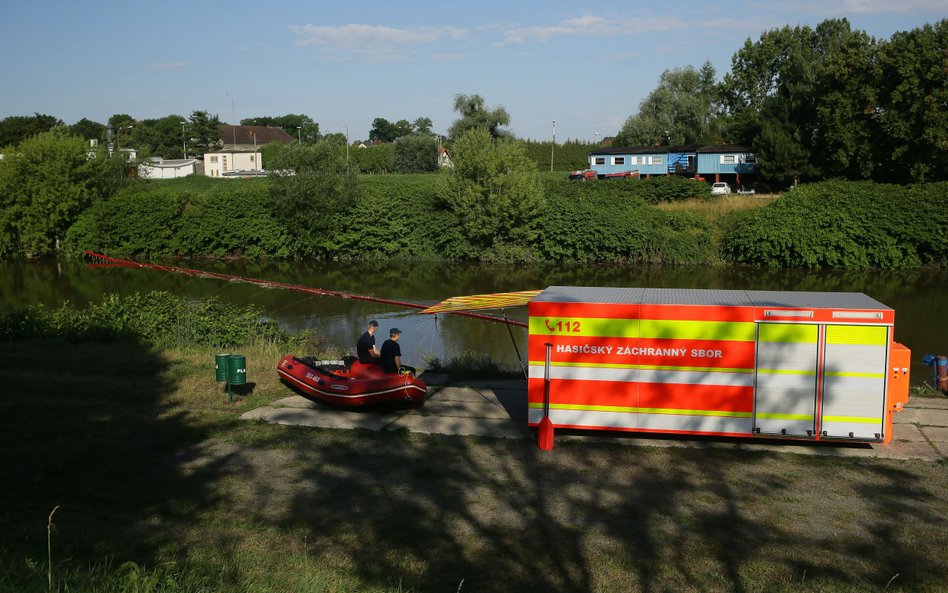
[88,129]
[203,131]
[158,137]
[416,154]
[422,126]
[845,97]
[45,185]
[308,131]
[493,189]
[912,110]
[683,109]
[309,189]
[475,115]
[17,128]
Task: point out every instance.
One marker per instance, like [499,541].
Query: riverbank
[150,463]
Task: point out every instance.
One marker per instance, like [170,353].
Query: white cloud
[167,66]
[360,38]
[887,6]
[591,26]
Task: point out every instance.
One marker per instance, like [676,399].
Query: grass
[162,488]
[718,209]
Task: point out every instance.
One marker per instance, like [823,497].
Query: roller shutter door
[785,395]
[854,381]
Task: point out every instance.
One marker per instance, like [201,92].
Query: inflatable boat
[349,383]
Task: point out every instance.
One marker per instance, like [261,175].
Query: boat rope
[105,261]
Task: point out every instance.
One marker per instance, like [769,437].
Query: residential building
[233,164]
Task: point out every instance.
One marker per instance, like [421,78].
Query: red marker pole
[545,432]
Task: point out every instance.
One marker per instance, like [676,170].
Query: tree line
[814,103]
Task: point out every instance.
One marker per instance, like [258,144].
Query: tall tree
[17,128]
[912,110]
[493,189]
[88,129]
[845,96]
[474,114]
[683,109]
[422,126]
[203,131]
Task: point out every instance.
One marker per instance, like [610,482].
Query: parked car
[720,188]
[582,175]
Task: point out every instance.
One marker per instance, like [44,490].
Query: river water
[919,297]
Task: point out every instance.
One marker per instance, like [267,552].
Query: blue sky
[585,65]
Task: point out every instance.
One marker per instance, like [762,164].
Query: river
[919,297]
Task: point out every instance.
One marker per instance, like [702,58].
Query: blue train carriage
[629,162]
[729,163]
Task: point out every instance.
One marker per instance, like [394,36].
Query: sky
[586,66]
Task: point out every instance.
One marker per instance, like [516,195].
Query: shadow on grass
[503,516]
[82,427]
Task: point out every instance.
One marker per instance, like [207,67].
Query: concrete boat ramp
[498,409]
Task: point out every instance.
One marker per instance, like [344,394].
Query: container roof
[709,297]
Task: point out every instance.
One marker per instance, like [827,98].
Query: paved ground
[499,409]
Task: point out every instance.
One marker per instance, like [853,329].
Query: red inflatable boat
[350,384]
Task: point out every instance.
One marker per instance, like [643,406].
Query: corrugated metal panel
[854,382]
[692,296]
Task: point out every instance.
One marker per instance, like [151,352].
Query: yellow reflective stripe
[768,416]
[784,372]
[856,335]
[852,419]
[634,410]
[788,332]
[697,330]
[586,327]
[644,367]
[848,374]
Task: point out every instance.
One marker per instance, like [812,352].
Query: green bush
[610,221]
[846,225]
[134,222]
[160,318]
[235,220]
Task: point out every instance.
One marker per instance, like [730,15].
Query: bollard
[545,432]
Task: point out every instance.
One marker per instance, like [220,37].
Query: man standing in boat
[365,347]
[391,352]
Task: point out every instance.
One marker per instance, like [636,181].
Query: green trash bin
[237,369]
[220,367]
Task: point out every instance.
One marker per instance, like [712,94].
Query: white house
[228,164]
[166,169]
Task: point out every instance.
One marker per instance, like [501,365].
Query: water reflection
[918,296]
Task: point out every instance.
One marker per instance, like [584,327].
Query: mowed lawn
[149,463]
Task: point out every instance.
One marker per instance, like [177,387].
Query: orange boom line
[104,261]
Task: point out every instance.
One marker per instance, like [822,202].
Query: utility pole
[553,146]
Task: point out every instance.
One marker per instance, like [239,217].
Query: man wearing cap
[391,352]
[365,347]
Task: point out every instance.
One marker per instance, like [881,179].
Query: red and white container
[806,365]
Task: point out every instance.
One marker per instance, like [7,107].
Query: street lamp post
[347,146]
[299,134]
[553,146]
[598,135]
[184,143]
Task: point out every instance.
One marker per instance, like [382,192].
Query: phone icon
[549,325]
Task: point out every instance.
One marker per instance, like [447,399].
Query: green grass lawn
[160,487]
